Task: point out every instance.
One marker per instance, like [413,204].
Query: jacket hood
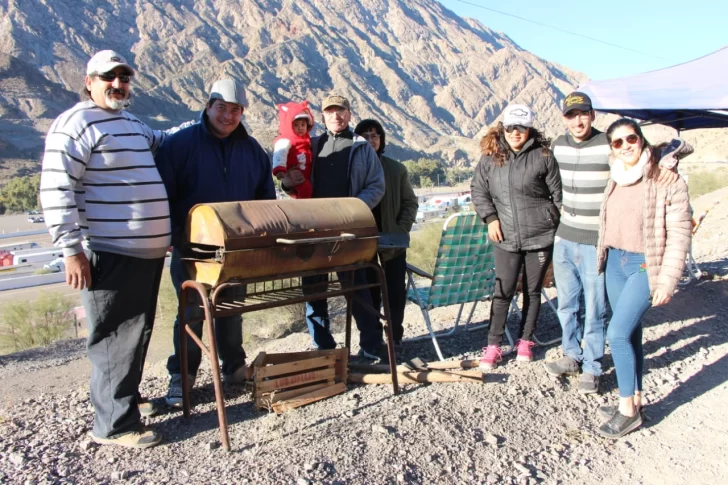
[288,113]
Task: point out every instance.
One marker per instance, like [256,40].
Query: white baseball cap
[229,91]
[518,114]
[105,61]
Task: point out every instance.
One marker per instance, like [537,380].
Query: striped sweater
[584,171]
[100,186]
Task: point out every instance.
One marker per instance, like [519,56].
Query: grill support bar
[214,307]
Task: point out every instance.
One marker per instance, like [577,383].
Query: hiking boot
[379,355]
[491,356]
[145,438]
[239,376]
[619,425]
[146,407]
[174,393]
[588,383]
[606,412]
[563,366]
[524,353]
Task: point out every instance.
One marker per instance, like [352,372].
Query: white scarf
[624,175]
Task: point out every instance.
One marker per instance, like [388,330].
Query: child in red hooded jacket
[292,147]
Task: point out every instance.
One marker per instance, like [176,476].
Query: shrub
[423,246]
[30,324]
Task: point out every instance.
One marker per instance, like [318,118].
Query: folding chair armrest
[419,272]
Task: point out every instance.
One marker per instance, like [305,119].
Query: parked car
[56,266]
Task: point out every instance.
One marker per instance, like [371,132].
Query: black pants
[120,308]
[507,270]
[395,271]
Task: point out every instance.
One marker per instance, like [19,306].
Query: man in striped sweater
[106,206]
[583,157]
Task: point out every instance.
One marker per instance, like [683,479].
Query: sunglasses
[630,139]
[110,76]
[520,129]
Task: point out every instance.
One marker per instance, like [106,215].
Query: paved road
[31,294]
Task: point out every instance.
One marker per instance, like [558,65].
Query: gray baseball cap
[106,61]
[229,91]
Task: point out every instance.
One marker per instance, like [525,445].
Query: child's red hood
[287,113]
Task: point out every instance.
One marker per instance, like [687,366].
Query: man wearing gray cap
[344,165]
[105,205]
[215,160]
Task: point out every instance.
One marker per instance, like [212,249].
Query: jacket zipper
[513,207]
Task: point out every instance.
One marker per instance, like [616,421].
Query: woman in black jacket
[517,192]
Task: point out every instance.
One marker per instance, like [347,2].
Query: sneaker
[379,355]
[524,353]
[241,375]
[137,439]
[174,393]
[146,407]
[606,412]
[491,356]
[588,383]
[619,425]
[563,366]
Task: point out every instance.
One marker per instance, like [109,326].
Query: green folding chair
[464,273]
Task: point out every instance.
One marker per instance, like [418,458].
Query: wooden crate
[287,381]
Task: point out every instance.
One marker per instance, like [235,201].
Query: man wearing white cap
[105,205]
[215,160]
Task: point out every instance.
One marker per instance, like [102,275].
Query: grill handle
[345,236]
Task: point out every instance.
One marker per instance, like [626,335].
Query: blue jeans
[575,273]
[228,330]
[317,315]
[628,289]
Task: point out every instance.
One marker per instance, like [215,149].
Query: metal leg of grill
[388,328]
[210,352]
[349,305]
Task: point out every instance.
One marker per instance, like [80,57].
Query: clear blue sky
[670,31]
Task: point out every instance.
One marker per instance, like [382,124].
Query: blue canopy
[687,96]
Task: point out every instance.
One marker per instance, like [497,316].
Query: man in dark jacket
[395,214]
[344,165]
[214,160]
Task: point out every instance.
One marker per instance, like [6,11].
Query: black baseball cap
[577,100]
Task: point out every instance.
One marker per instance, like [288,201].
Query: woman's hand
[494,231]
[659,297]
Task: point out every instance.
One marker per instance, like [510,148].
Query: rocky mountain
[433,78]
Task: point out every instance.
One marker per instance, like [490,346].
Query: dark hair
[495,145]
[368,124]
[652,167]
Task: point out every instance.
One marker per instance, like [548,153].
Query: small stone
[349,414]
[491,439]
[303,481]
[625,445]
[86,445]
[400,477]
[522,470]
[210,445]
[16,459]
[120,475]
[378,428]
[309,466]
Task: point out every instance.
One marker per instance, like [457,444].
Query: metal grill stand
[271,292]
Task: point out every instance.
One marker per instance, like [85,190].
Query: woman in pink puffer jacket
[644,236]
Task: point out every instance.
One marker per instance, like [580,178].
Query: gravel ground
[518,427]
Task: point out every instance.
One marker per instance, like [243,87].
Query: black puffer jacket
[524,194]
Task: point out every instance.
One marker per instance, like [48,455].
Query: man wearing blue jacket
[214,160]
[344,165]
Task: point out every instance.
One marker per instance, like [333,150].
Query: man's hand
[666,177]
[659,297]
[78,271]
[494,231]
[293,178]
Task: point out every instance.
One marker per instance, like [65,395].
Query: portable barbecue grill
[263,248]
